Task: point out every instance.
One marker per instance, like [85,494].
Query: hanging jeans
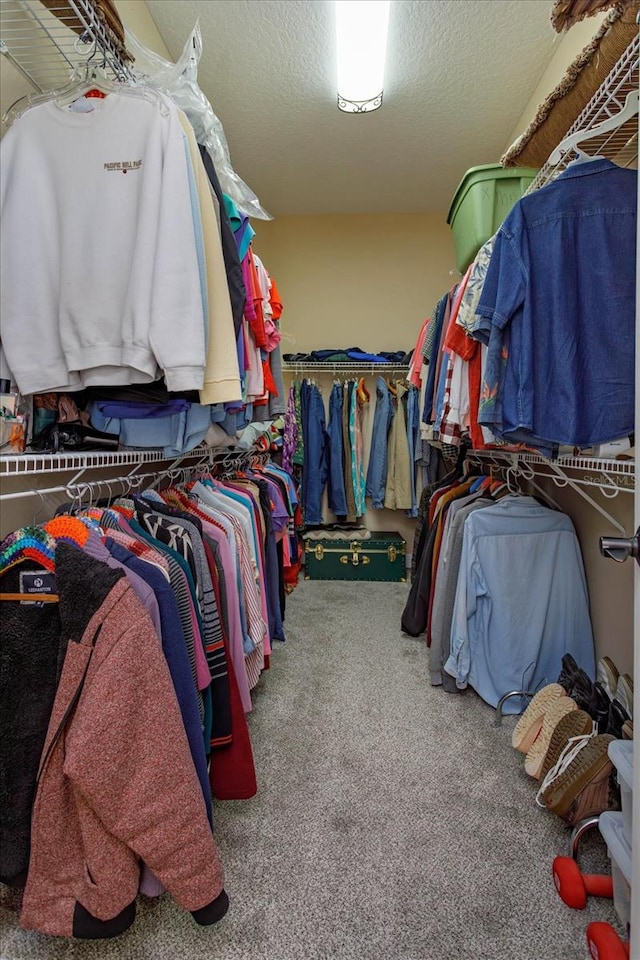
[337,495]
[413,442]
[316,466]
[382,420]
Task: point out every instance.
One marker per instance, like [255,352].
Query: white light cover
[362,44]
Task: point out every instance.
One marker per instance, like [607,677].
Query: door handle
[621,548]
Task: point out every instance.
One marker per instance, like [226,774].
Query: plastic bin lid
[487,171]
[621,756]
[612,829]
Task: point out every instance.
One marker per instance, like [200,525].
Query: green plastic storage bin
[483,199]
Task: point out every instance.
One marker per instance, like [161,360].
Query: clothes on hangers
[521,600]
[498,588]
[336,479]
[186,588]
[513,355]
[333,453]
[85,808]
[161,295]
[542,288]
[378,453]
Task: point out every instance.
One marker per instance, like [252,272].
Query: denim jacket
[562,282]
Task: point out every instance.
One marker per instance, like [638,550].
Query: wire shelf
[32,464]
[619,145]
[597,471]
[47,48]
[343,367]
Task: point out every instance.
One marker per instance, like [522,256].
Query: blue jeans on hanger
[316,466]
[413,417]
[337,493]
[382,420]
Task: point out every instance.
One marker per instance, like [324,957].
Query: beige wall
[610,584]
[358,280]
[136,17]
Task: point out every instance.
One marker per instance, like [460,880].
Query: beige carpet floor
[393,822]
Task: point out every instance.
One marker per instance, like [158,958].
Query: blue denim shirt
[562,281]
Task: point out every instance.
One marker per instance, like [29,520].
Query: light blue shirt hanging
[521,601]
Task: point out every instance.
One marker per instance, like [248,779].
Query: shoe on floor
[530,723]
[582,787]
[582,687]
[576,723]
[537,751]
[624,693]
[591,697]
[599,707]
[607,676]
[568,673]
[618,716]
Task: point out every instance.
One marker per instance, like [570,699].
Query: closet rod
[73,489]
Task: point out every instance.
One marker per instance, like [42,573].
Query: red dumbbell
[574,887]
[605,944]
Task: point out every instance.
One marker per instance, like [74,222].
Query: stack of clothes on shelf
[348,355]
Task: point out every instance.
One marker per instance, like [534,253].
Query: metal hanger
[629,110]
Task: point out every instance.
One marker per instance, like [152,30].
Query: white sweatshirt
[98,265]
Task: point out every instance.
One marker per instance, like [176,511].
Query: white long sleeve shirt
[98,265]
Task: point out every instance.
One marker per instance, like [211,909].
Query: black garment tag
[36,581]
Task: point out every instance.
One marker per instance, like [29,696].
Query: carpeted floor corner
[392,822]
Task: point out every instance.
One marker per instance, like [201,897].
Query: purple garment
[290,439]
[96,549]
[249,308]
[242,355]
[249,503]
[243,236]
[236,643]
[279,512]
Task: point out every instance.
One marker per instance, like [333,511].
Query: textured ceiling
[459,74]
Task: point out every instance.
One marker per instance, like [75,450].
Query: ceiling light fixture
[362,45]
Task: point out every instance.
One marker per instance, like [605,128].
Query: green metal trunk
[382,557]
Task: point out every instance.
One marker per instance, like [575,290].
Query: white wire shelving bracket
[46,49]
[609,477]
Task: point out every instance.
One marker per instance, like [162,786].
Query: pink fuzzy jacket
[117,783]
